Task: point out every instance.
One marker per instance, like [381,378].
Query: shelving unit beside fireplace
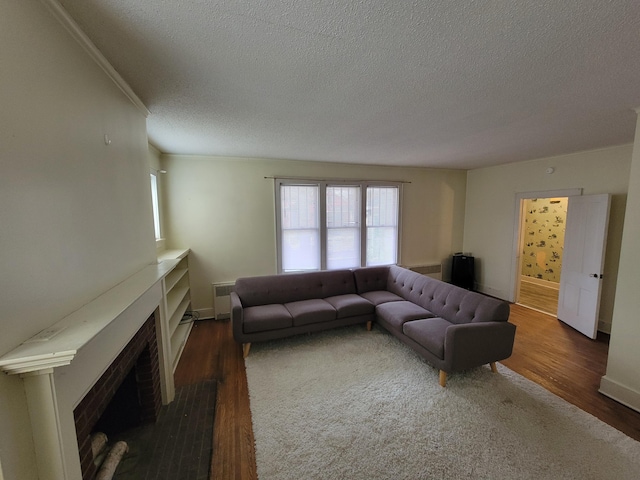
[177,302]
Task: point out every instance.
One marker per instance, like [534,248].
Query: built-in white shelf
[175,298]
[176,318]
[178,341]
[177,303]
[174,277]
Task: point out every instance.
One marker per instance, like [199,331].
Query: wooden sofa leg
[245,349]
[369,325]
[494,369]
[443,378]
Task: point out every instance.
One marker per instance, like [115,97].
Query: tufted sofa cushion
[370,279]
[371,284]
[294,287]
[445,300]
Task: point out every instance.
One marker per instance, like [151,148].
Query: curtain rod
[344,180]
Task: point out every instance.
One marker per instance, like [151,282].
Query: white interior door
[583,262]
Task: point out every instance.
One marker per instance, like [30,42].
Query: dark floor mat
[179,444]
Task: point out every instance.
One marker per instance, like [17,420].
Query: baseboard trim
[537,310]
[205,313]
[604,327]
[620,393]
[492,292]
[540,282]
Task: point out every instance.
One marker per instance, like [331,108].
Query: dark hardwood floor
[567,364]
[211,353]
[546,351]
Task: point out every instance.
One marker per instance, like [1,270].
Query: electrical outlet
[45,335]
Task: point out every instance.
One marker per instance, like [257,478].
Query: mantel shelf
[58,344]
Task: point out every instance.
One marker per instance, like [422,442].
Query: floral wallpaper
[544,238]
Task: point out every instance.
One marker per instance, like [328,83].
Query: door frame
[518,228]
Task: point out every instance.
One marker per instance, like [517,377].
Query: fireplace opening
[125,396]
[124,412]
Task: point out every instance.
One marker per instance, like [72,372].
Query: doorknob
[595,275]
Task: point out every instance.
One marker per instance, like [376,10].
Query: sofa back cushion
[294,287]
[371,279]
[407,284]
[447,301]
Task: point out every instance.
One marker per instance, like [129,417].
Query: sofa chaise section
[463,330]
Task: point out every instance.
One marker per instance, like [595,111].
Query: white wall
[75,213]
[223,209]
[491,212]
[622,380]
[154,157]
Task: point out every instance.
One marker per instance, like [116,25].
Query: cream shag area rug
[352,404]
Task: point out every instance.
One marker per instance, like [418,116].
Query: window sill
[160,244]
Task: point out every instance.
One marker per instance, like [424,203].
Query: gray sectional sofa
[453,329]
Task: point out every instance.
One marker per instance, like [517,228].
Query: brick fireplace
[139,358]
[73,368]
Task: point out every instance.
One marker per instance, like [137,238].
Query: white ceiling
[440,83]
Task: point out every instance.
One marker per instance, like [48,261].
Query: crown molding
[85,42]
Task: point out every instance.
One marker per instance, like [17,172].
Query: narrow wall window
[156,205]
[331,225]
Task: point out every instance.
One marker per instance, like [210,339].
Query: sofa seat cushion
[377,297]
[429,333]
[266,317]
[315,310]
[350,305]
[397,313]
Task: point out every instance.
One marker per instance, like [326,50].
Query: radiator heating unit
[222,300]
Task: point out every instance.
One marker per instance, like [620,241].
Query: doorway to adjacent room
[539,247]
[542,227]
[544,259]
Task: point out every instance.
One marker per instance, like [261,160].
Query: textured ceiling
[426,83]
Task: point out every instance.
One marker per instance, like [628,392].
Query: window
[332,225]
[156,204]
[382,225]
[343,227]
[300,227]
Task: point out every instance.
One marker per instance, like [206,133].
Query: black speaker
[463,271]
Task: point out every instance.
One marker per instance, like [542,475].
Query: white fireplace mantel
[61,363]
[58,344]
